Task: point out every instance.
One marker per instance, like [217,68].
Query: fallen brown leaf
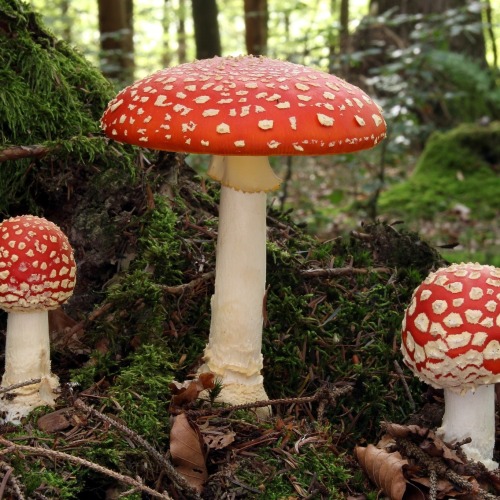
[217,440]
[184,393]
[187,451]
[384,469]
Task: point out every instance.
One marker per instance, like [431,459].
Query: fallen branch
[173,475]
[20,384]
[54,455]
[401,376]
[180,289]
[437,466]
[10,483]
[322,394]
[343,271]
[19,152]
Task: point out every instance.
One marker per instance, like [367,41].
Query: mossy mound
[51,99]
[456,167]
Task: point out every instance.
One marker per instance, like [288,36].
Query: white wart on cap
[245,105]
[451,330]
[37,267]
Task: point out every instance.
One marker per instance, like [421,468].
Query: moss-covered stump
[454,191]
[456,167]
[144,231]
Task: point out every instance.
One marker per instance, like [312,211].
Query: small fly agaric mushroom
[37,273]
[242,110]
[451,340]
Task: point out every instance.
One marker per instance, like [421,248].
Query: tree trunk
[345,48]
[256,16]
[181,32]
[117,42]
[166,57]
[469,42]
[206,28]
[66,31]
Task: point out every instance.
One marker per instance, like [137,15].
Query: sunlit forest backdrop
[432,66]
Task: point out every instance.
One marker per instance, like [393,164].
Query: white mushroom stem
[234,348]
[27,357]
[471,414]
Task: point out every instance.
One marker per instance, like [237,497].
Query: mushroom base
[471,414]
[27,357]
[238,389]
[19,403]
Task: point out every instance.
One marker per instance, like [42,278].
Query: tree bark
[469,42]
[256,16]
[117,42]
[206,28]
[181,33]
[345,48]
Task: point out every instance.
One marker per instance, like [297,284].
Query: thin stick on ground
[10,483]
[59,455]
[172,474]
[20,384]
[323,393]
[401,375]
[343,271]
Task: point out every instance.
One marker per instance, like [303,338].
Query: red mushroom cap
[451,329]
[252,106]
[37,267]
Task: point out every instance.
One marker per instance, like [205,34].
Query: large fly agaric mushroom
[451,340]
[37,273]
[242,110]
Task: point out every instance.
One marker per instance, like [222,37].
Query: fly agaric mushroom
[451,340]
[242,110]
[37,273]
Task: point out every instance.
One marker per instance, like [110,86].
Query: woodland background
[431,65]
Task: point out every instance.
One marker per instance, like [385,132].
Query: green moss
[456,167]
[314,468]
[141,389]
[51,97]
[63,483]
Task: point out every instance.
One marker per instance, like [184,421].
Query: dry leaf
[186,449]
[188,391]
[426,439]
[184,395]
[54,421]
[217,440]
[384,469]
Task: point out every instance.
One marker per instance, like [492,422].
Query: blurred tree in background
[431,65]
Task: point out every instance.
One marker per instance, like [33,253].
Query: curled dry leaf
[384,469]
[188,391]
[187,451]
[218,440]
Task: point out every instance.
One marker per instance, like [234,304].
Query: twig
[180,289]
[433,478]
[20,384]
[53,454]
[343,271]
[173,475]
[322,393]
[439,467]
[18,152]
[399,371]
[10,478]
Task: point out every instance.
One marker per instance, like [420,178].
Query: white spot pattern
[462,345]
[226,90]
[41,274]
